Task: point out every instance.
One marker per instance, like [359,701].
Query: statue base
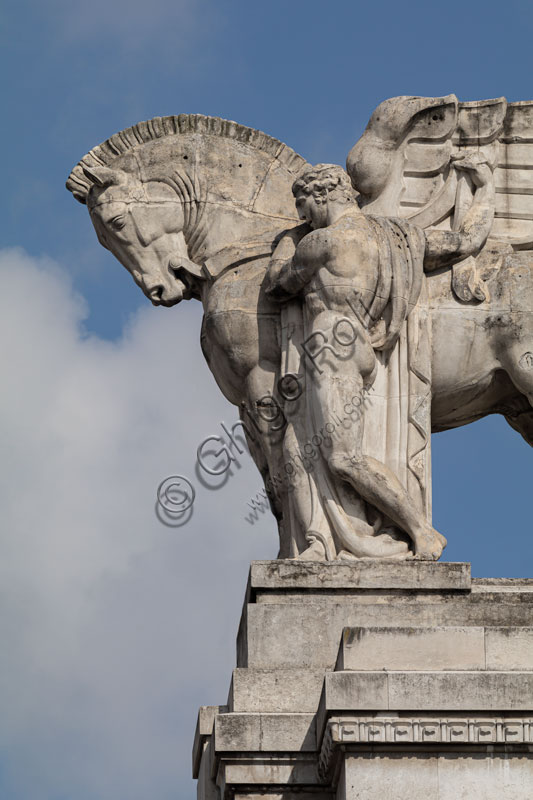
[374,680]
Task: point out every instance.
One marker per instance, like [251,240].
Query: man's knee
[341,463]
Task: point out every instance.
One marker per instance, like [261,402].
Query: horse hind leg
[522,422]
[519,368]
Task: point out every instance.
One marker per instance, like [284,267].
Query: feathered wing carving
[406,139]
[402,164]
[514,178]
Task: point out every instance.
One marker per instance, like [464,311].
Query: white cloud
[114,628]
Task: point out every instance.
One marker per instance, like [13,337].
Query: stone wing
[514,178]
[402,165]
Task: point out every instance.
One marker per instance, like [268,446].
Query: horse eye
[118,223]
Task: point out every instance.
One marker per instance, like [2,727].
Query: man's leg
[381,488]
[370,478]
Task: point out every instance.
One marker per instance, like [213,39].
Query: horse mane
[160,127]
[192,195]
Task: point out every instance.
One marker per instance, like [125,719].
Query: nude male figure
[339,259]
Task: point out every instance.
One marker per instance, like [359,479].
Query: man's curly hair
[324,179]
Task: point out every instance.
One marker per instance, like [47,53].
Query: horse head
[173,193]
[142,224]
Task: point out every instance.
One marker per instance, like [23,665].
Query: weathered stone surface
[509,648]
[288,795]
[473,699]
[349,691]
[265,733]
[344,729]
[275,690]
[278,634]
[499,691]
[359,778]
[369,648]
[266,770]
[207,788]
[524,585]
[426,691]
[287,575]
[436,776]
[204,729]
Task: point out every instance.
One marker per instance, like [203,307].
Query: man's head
[319,188]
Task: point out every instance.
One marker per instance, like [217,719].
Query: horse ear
[103,176]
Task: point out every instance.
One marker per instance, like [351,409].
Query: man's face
[316,214]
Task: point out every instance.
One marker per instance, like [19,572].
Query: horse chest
[232,292]
[240,325]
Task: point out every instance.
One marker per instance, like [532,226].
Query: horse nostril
[156,292]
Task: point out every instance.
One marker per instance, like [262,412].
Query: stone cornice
[421,730]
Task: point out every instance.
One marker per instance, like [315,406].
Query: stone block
[355,690]
[287,795]
[289,575]
[412,648]
[509,648]
[436,776]
[498,776]
[236,733]
[268,771]
[393,778]
[307,633]
[464,691]
[204,729]
[432,686]
[347,691]
[275,690]
[207,789]
[424,691]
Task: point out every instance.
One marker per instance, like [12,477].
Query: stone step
[238,733]
[509,648]
[287,575]
[436,648]
[425,691]
[204,728]
[281,689]
[307,634]
[275,690]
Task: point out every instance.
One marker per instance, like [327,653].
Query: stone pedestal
[374,680]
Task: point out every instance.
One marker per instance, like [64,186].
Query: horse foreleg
[265,424]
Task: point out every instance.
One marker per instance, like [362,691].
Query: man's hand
[445,248]
[476,165]
[289,240]
[272,276]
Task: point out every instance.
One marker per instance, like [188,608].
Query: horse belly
[463,365]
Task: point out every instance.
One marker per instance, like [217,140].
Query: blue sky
[115,627]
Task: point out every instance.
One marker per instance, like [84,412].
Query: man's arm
[444,248]
[287,274]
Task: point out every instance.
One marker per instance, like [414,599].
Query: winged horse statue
[429,228]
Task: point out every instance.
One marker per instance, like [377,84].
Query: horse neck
[229,236]
[220,232]
[214,225]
